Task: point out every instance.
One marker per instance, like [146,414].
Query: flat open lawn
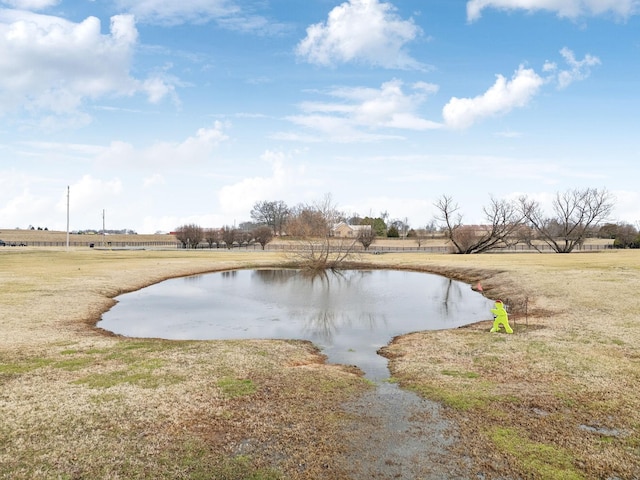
[557,399]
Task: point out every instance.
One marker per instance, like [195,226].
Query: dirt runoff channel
[555,400]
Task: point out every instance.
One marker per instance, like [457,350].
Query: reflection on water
[348,314]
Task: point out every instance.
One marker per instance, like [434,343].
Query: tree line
[575,215]
[192,235]
[275,218]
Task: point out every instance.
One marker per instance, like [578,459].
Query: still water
[348,314]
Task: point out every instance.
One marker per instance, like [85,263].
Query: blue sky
[166,112]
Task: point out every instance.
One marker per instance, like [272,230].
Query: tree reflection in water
[452,296]
[348,314]
[331,308]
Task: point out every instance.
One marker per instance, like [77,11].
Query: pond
[349,314]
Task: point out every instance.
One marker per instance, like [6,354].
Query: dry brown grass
[32,236]
[77,403]
[558,399]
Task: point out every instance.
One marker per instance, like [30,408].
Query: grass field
[46,237]
[33,236]
[558,399]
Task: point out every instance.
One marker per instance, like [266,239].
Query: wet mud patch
[394,434]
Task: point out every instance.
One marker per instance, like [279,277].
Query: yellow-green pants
[501,321]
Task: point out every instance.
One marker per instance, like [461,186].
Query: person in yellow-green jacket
[500,317]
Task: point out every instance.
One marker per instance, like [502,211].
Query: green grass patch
[73,364]
[69,352]
[536,460]
[460,399]
[149,346]
[566,399]
[106,397]
[139,372]
[96,351]
[457,373]
[17,368]
[134,352]
[146,346]
[330,385]
[235,387]
[151,363]
[240,468]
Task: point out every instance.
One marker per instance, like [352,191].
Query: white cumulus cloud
[230,14]
[157,89]
[50,65]
[579,69]
[23,204]
[563,8]
[195,148]
[173,12]
[89,195]
[31,4]
[239,198]
[357,111]
[501,98]
[365,31]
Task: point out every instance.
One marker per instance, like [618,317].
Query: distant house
[345,230]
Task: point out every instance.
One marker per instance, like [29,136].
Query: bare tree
[189,235]
[262,235]
[271,213]
[575,213]
[322,254]
[317,249]
[449,217]
[211,236]
[366,236]
[243,237]
[229,235]
[329,211]
[418,236]
[503,220]
[307,221]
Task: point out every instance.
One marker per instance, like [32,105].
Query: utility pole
[103,231]
[67,218]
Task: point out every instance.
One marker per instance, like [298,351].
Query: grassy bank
[555,400]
